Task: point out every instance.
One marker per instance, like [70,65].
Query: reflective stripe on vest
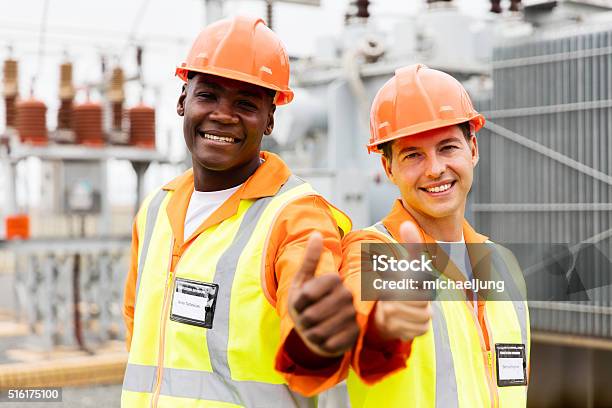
[446,386]
[208,386]
[382,229]
[217,385]
[152,211]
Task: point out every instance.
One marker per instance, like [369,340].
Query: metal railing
[69,291]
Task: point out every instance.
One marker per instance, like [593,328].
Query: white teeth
[439,189]
[219,138]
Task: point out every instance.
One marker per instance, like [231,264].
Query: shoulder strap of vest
[292,182]
[380,228]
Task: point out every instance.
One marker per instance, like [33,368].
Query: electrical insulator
[117,108]
[514,5]
[32,122]
[362,8]
[142,126]
[496,7]
[66,90]
[10,104]
[64,114]
[10,91]
[358,9]
[87,124]
[11,84]
[115,94]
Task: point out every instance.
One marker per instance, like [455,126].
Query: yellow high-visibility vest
[450,366]
[172,364]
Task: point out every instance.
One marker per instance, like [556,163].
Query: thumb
[410,234]
[414,243]
[307,269]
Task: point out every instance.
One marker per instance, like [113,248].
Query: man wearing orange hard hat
[460,350]
[225,304]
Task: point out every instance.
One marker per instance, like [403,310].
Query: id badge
[511,364]
[194,302]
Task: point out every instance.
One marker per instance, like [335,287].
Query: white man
[455,352]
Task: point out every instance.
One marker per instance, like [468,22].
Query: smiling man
[454,353]
[224,302]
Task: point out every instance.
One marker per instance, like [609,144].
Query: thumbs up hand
[321,307]
[403,320]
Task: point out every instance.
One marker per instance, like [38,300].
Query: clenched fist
[403,320]
[321,307]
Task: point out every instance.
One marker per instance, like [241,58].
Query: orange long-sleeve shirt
[288,239]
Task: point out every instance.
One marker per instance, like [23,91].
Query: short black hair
[270,92]
[387,150]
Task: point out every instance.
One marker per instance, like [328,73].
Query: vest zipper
[487,356]
[162,327]
[491,364]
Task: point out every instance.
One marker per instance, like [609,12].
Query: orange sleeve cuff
[374,358]
[309,381]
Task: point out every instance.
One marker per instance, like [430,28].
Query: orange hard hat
[418,99]
[244,49]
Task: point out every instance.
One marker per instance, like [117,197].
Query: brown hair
[387,150]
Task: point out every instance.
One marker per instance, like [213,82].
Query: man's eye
[411,156]
[206,95]
[450,147]
[247,105]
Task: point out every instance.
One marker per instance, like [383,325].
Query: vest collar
[265,182]
[398,214]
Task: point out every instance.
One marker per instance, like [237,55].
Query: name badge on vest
[194,302]
[511,364]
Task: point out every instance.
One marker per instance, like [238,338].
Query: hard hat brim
[283,96]
[477,122]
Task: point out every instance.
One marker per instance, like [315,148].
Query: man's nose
[224,113]
[435,167]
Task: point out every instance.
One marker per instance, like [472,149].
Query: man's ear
[180,105]
[387,166]
[270,124]
[474,150]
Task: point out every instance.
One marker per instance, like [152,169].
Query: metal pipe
[548,152]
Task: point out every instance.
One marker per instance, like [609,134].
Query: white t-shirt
[201,205]
[457,253]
